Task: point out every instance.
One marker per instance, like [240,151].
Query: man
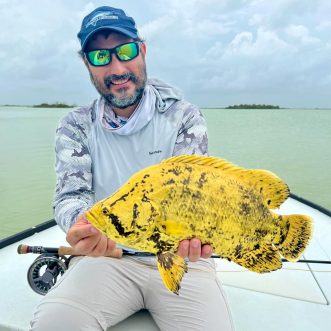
[135,123]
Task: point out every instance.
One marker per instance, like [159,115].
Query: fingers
[86,246]
[74,235]
[117,252]
[206,251]
[80,230]
[183,248]
[190,248]
[194,250]
[100,247]
[87,240]
[106,247]
[111,246]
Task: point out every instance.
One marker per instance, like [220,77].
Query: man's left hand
[194,250]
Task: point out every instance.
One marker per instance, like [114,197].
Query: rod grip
[64,250]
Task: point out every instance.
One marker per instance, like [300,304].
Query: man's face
[120,83]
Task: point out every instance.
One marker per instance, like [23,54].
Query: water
[294,143]
[26,166]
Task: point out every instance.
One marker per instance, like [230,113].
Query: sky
[218,52]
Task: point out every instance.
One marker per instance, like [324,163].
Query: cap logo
[97,18]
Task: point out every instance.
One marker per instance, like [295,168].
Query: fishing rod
[53,262]
[60,251]
[64,250]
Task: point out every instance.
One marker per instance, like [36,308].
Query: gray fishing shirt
[93,159]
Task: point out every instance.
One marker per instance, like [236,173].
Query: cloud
[301,33]
[266,43]
[154,28]
[218,52]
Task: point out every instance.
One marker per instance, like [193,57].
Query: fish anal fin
[295,234]
[172,268]
[263,258]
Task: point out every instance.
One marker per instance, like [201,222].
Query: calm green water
[294,143]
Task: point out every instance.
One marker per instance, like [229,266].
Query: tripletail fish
[208,198]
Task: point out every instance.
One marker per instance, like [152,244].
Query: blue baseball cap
[107,18]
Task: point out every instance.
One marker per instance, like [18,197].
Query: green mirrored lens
[127,52]
[99,57]
[102,57]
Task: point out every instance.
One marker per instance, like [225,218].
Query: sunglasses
[102,57]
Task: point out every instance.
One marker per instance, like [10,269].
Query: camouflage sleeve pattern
[192,136]
[73,193]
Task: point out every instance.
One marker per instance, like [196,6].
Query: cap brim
[117,29]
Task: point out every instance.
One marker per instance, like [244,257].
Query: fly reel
[45,271]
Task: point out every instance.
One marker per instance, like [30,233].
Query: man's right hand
[87,240]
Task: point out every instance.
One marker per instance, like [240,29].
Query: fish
[209,198]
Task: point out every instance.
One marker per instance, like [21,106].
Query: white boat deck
[295,298]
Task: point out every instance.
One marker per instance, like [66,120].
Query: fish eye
[105,210]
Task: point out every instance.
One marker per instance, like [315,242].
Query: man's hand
[87,240]
[194,250]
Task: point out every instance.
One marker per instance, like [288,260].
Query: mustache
[113,78]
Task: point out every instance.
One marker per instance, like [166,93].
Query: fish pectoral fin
[172,268]
[262,258]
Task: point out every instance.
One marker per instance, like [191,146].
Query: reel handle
[61,250]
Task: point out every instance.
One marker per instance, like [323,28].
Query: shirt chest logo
[155,152]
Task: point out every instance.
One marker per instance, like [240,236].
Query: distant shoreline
[241,106]
[252,106]
[53,105]
[44,105]
[280,108]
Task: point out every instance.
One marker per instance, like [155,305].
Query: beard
[123,100]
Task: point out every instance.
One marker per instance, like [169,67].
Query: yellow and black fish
[208,198]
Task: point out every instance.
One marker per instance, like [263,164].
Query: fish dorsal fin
[210,161]
[270,186]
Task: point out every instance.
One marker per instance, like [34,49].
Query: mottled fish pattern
[208,198]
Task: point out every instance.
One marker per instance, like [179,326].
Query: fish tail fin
[172,268]
[295,234]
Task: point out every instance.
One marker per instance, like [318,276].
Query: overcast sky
[218,52]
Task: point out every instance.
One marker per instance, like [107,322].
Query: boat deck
[295,298]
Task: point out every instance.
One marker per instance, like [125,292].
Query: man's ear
[143,49]
[85,62]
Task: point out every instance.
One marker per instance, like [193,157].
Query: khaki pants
[97,293]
